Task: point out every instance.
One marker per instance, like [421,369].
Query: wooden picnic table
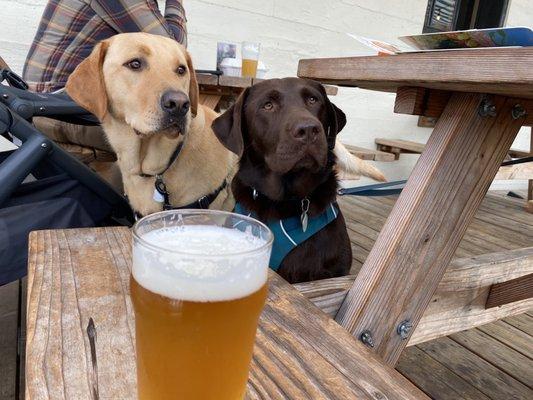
[77,274]
[482,98]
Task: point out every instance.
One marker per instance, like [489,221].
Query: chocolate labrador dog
[284,131]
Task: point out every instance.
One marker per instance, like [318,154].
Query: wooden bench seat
[369,154]
[398,146]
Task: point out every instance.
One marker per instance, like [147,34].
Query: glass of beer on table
[198,285]
[250,58]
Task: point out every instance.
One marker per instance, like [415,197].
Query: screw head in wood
[404,328]
[487,108]
[518,111]
[366,338]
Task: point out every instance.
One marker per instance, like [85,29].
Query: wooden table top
[76,274]
[210,82]
[506,71]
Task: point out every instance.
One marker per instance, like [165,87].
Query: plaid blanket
[69,29]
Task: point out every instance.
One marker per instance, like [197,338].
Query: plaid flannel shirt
[69,30]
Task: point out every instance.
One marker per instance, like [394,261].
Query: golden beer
[194,343]
[250,57]
[197,305]
[249,68]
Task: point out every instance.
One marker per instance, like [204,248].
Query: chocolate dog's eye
[181,70]
[312,100]
[268,106]
[134,64]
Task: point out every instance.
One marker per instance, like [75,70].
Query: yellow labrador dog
[143,89]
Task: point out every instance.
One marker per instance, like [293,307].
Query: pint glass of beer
[198,285]
[250,59]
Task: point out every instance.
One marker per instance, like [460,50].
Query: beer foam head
[201,263]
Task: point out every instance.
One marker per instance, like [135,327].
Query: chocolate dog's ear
[193,87]
[86,84]
[228,126]
[336,117]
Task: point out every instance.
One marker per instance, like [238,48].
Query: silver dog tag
[158,197]
[304,218]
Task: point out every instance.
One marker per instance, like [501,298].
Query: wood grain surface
[420,101]
[369,154]
[459,301]
[510,291]
[422,233]
[79,274]
[496,71]
[222,83]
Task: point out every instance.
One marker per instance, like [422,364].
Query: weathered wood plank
[428,221]
[524,322]
[511,336]
[207,79]
[498,354]
[510,291]
[475,370]
[404,146]
[459,301]
[421,101]
[436,380]
[374,212]
[209,100]
[497,71]
[22,339]
[8,339]
[300,352]
[517,171]
[369,154]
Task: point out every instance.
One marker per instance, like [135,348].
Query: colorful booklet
[473,38]
[456,40]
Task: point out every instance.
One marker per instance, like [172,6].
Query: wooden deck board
[523,322]
[498,354]
[511,336]
[435,379]
[500,224]
[480,373]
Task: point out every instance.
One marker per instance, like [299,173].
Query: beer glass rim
[144,242]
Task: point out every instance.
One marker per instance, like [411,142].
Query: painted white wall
[288,31]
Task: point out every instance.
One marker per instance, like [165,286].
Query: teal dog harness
[290,232]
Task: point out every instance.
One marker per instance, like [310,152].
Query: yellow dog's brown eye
[134,64]
[268,106]
[181,70]
[312,99]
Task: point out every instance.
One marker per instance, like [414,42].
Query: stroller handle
[53,105]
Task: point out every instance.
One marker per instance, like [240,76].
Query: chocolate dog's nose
[306,131]
[176,103]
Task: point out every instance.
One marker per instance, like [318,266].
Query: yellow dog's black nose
[175,103]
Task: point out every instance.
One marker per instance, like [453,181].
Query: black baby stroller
[41,185]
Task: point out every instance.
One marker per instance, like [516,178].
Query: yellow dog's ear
[86,84]
[193,87]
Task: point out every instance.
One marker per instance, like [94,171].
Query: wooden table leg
[529,204]
[428,221]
